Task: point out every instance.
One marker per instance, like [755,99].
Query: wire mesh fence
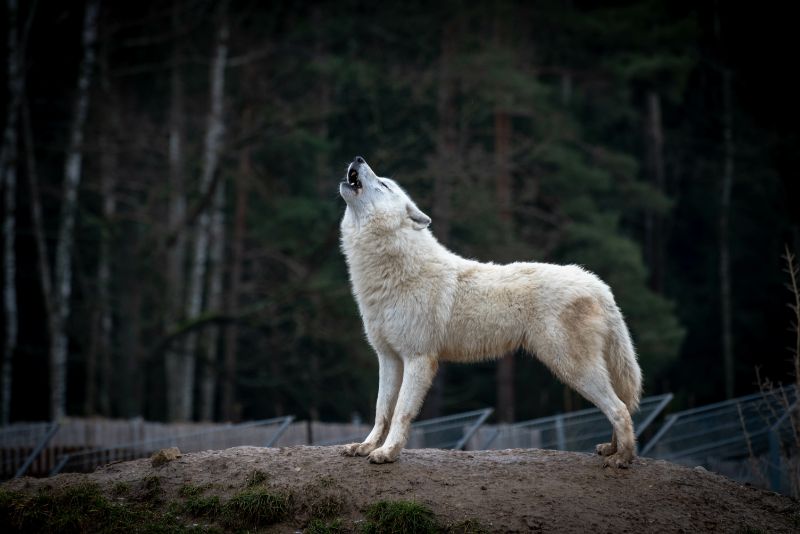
[448,432]
[21,444]
[262,433]
[578,431]
[751,439]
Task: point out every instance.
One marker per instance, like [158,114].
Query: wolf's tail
[620,356]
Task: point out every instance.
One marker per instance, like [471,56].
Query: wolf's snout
[352,173]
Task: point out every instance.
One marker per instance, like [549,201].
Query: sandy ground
[514,490]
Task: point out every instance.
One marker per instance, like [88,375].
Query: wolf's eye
[384,184]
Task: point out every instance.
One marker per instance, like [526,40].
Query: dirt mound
[498,491]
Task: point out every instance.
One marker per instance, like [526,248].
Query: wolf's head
[371,199]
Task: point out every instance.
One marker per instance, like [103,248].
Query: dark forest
[170,195]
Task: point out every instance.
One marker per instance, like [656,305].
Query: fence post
[774,466]
[561,439]
[38,450]
[279,432]
[472,429]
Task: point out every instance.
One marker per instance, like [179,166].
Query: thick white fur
[421,303]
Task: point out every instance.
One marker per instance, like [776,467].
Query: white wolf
[422,304]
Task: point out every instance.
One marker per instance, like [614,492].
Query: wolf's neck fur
[383,257]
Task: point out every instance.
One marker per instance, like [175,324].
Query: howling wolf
[422,304]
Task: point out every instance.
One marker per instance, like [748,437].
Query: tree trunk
[212,148]
[502,138]
[446,137]
[325,185]
[446,159]
[502,163]
[654,223]
[37,221]
[130,378]
[72,177]
[724,232]
[566,100]
[566,88]
[229,411]
[324,95]
[98,373]
[214,303]
[8,170]
[108,184]
[176,249]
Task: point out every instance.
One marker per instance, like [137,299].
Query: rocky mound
[317,489]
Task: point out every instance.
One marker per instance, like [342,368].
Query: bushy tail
[624,370]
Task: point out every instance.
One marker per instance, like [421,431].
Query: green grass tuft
[396,517]
[150,489]
[325,506]
[190,490]
[326,482]
[120,489]
[208,507]
[254,508]
[318,526]
[256,478]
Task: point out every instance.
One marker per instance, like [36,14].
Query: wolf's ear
[418,219]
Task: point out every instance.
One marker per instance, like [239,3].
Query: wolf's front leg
[390,374]
[418,373]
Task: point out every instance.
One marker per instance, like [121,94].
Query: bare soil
[514,490]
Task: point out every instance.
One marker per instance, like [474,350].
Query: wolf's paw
[358,449]
[365,448]
[384,455]
[618,460]
[606,449]
[351,449]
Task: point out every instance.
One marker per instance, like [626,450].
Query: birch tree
[69,203]
[8,169]
[212,148]
[216,235]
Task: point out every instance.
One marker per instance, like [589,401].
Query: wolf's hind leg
[595,386]
[418,373]
[607,449]
[390,374]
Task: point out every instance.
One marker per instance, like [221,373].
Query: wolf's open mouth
[352,179]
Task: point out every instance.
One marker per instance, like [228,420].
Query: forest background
[170,196]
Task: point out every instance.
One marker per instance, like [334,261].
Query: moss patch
[395,517]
